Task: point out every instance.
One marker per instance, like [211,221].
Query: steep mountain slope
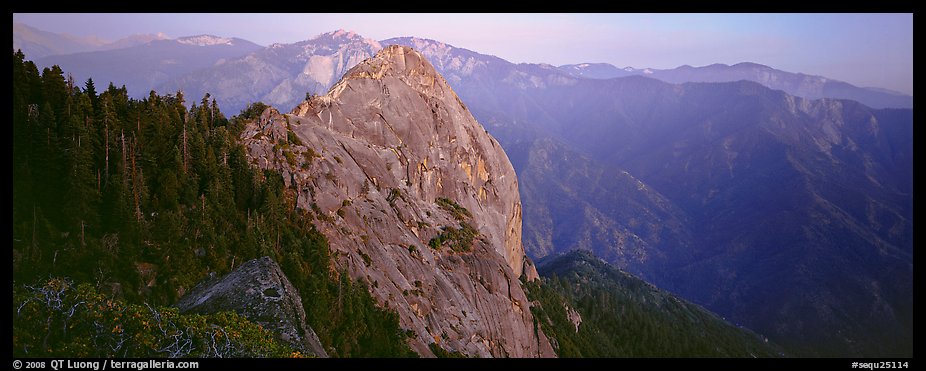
[145,67]
[798,84]
[415,198]
[281,74]
[574,203]
[818,192]
[592,309]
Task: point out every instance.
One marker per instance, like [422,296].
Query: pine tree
[90,90]
[44,158]
[82,200]
[54,90]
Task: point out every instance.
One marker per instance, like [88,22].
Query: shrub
[440,352]
[292,138]
[367,261]
[290,157]
[459,213]
[252,111]
[394,194]
[459,239]
[54,318]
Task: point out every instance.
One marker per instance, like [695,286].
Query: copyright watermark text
[102,365]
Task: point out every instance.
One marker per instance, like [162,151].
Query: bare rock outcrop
[573,316]
[259,291]
[416,198]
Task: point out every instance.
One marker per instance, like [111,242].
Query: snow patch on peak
[205,40]
[629,69]
[343,33]
[583,65]
[648,71]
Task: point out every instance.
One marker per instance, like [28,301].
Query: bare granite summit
[415,198]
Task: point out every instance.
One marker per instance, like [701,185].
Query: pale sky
[863,49]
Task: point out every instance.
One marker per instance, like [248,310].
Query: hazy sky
[862,49]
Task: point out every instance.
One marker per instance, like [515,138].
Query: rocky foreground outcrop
[259,291]
[416,199]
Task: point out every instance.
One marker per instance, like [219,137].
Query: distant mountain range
[148,66]
[282,74]
[37,43]
[797,84]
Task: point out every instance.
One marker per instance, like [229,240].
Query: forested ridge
[614,314]
[143,199]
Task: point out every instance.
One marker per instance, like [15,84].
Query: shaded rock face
[259,291]
[387,161]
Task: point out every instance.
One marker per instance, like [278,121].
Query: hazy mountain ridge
[37,43]
[283,84]
[146,67]
[798,84]
[598,70]
[133,40]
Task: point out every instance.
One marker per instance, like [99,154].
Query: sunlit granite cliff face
[416,199]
